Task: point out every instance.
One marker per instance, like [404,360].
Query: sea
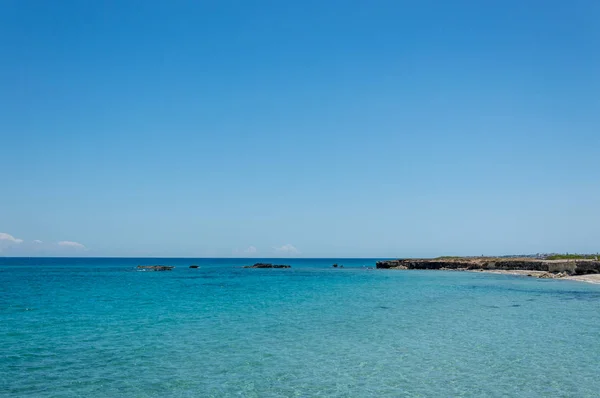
[98,327]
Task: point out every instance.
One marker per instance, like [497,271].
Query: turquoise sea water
[98,328]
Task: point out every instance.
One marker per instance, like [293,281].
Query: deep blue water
[99,328]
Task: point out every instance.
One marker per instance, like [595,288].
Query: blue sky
[309,128]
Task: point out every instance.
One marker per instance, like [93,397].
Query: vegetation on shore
[553,256]
[568,256]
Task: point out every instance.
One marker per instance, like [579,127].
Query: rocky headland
[587,270]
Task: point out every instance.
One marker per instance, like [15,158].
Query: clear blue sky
[303,128]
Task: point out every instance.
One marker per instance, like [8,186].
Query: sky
[299,128]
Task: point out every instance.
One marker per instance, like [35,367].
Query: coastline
[589,278]
[579,270]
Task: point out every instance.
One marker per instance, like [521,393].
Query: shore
[589,278]
[581,270]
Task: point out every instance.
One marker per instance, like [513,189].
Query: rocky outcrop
[268,265]
[569,267]
[154,267]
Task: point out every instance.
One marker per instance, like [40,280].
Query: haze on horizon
[300,129]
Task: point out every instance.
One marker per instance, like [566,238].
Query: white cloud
[74,245]
[287,249]
[9,238]
[8,242]
[251,250]
[11,246]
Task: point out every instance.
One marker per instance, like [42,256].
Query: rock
[194,266]
[391,264]
[546,275]
[267,265]
[388,264]
[154,267]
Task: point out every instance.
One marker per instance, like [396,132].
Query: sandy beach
[589,278]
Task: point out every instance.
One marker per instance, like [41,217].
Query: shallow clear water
[97,327]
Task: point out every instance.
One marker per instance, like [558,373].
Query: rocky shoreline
[590,278]
[584,270]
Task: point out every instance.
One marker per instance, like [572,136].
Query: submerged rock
[155,267]
[268,265]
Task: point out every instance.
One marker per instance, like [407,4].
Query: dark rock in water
[267,265]
[155,267]
[335,265]
[194,266]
